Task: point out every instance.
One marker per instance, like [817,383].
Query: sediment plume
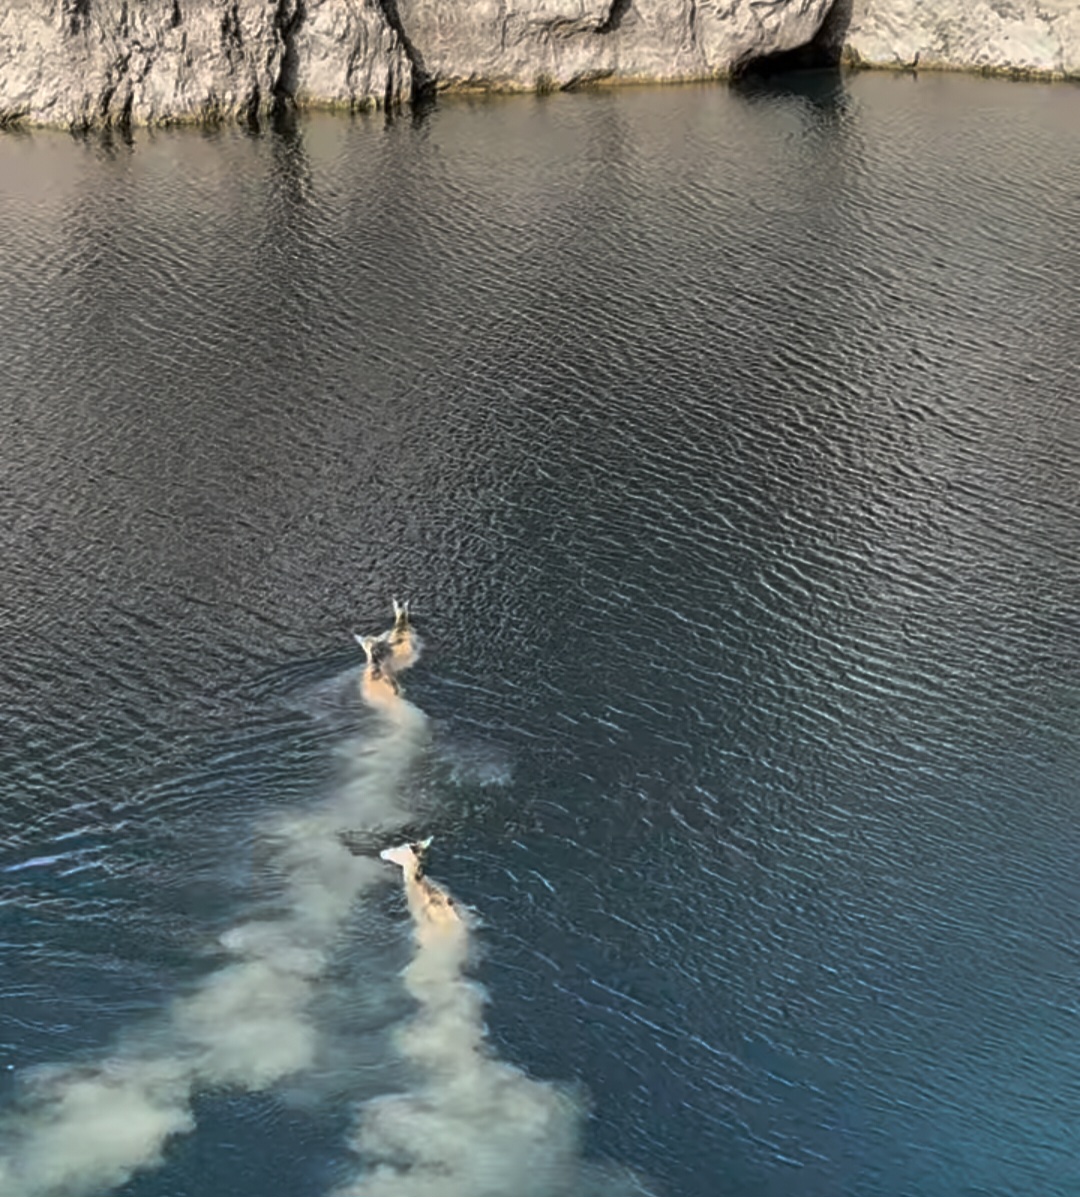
[86,1128]
[470,1125]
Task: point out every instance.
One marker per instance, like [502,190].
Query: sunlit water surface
[726,443]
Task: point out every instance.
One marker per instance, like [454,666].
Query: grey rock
[1036,37]
[346,53]
[101,62]
[535,44]
[80,63]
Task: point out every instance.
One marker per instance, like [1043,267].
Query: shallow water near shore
[726,444]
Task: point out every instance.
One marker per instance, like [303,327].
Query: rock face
[344,52]
[496,45]
[80,63]
[1037,37]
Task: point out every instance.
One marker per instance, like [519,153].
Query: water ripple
[725,443]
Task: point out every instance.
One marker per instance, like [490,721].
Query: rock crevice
[614,18]
[422,82]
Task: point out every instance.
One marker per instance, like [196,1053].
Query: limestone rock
[80,63]
[1040,37]
[100,62]
[346,52]
[505,45]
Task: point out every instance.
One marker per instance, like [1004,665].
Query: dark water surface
[727,444]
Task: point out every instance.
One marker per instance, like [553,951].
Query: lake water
[727,445]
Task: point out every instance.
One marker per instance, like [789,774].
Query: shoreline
[209,62]
[214,118]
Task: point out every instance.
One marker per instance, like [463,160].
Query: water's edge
[205,61]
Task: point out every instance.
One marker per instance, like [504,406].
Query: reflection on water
[724,439]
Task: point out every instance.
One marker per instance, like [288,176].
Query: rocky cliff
[81,63]
[1025,37]
[98,62]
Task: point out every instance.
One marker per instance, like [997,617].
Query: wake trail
[471,1125]
[82,1129]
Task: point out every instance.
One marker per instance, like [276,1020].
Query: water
[725,444]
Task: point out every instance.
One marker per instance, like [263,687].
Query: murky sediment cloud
[469,1125]
[86,1128]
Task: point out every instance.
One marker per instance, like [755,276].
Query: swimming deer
[388,654]
[404,643]
[378,684]
[431,907]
